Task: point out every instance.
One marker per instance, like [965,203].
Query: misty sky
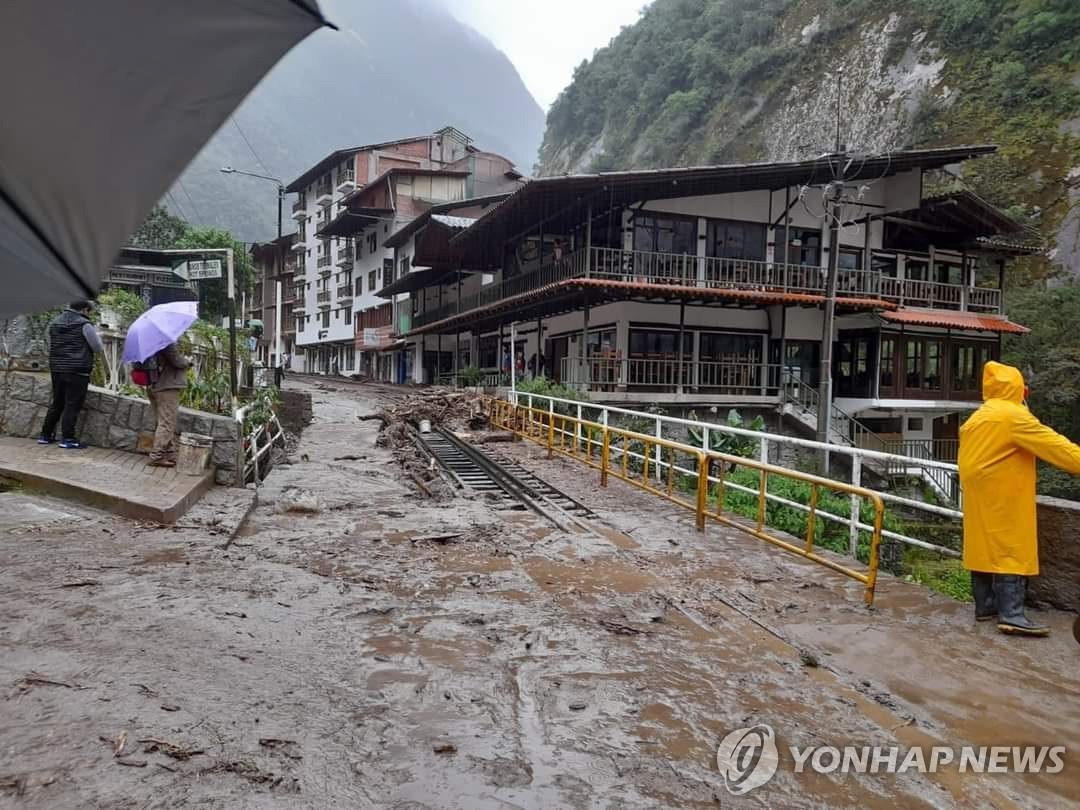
[547,39]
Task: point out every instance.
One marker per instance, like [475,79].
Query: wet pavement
[383,649]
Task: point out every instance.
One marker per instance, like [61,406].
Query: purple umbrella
[157,328]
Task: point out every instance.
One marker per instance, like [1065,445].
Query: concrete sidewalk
[115,480]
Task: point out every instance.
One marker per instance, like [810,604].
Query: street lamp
[280,188]
[277,290]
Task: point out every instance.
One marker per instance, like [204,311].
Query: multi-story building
[707,286]
[348,205]
[274,262]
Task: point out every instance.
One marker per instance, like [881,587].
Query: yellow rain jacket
[998,447]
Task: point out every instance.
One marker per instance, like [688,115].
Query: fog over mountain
[393,70]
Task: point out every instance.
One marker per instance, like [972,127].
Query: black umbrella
[104,103]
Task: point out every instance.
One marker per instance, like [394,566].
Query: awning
[354,220]
[410,282]
[955,320]
[104,104]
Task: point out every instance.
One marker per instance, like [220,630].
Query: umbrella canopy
[157,328]
[104,105]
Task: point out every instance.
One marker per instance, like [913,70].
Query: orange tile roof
[955,320]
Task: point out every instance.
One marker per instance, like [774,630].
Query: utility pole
[826,386]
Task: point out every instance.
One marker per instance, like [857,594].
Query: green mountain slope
[707,81]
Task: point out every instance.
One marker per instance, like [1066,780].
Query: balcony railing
[678,269]
[325,260]
[345,256]
[346,177]
[345,291]
[299,206]
[736,378]
[935,295]
[323,298]
[324,194]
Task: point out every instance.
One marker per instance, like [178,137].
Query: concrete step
[113,480]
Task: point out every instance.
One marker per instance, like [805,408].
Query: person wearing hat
[73,342]
[999,446]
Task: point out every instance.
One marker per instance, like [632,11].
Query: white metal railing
[654,267]
[641,374]
[608,414]
[936,295]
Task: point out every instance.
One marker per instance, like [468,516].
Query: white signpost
[199,269]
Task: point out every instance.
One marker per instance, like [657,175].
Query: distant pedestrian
[999,445]
[73,342]
[164,396]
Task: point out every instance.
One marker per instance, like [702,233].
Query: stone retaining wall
[1058,583]
[111,420]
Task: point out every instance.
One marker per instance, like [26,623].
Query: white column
[277,326]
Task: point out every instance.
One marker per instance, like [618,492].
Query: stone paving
[118,481]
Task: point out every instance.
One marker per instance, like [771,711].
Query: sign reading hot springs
[199,269]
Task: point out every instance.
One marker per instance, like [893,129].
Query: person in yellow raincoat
[999,445]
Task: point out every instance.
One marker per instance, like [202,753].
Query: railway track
[483,472]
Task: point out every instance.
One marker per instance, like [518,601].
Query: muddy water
[444,655]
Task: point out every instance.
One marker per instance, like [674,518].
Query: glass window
[665,234]
[388,271]
[736,240]
[326,319]
[913,355]
[850,259]
[733,348]
[888,360]
[932,374]
[803,248]
[916,270]
[371,281]
[658,345]
[884,265]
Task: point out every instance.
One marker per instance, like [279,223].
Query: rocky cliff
[707,81]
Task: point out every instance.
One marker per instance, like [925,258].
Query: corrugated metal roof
[457,223]
[955,320]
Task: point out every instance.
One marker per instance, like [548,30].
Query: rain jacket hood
[1002,382]
[999,445]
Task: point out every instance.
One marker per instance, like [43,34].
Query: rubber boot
[982,588]
[1009,590]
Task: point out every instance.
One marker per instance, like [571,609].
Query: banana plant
[730,444]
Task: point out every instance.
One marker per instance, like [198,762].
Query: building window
[736,240]
[665,234]
[850,259]
[387,271]
[300,324]
[403,267]
[301,234]
[372,242]
[348,314]
[915,424]
[360,286]
[326,319]
[887,378]
[371,281]
[803,247]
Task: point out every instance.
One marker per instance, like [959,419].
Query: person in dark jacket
[73,342]
[165,400]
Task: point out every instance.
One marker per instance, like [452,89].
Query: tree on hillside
[1049,358]
[160,230]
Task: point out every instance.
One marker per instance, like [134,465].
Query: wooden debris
[37,679]
[152,745]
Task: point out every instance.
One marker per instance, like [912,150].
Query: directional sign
[204,268]
[198,269]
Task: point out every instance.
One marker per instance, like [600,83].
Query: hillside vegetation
[713,81]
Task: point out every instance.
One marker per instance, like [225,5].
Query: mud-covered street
[384,649]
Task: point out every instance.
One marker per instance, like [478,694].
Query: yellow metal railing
[670,470]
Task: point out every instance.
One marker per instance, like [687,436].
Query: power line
[249,146]
[176,205]
[194,207]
